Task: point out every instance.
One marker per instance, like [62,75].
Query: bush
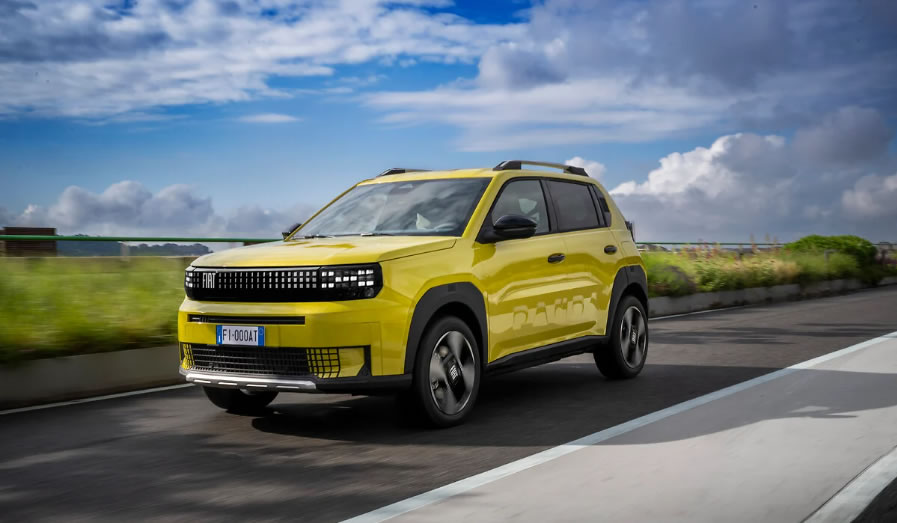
[862,250]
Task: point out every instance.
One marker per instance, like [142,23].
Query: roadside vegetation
[54,307]
[706,268]
[60,306]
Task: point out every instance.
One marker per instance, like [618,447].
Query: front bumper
[362,385]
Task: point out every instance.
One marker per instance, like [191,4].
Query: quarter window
[524,198]
[574,205]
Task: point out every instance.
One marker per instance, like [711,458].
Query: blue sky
[713,119]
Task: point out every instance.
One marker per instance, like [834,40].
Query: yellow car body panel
[529,303]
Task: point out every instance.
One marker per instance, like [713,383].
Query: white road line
[95,398]
[467,484]
[847,504]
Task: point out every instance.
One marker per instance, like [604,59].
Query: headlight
[284,284]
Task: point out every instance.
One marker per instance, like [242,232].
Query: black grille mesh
[263,361]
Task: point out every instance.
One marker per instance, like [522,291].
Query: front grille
[283,284]
[263,361]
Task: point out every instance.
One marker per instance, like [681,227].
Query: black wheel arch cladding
[458,296]
[630,280]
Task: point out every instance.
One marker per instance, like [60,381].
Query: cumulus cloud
[268,118]
[129,208]
[750,184]
[97,59]
[595,169]
[873,197]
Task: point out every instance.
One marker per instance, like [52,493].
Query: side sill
[545,354]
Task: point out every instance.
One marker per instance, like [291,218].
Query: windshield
[423,207]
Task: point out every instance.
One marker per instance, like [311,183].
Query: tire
[623,355]
[437,397]
[239,401]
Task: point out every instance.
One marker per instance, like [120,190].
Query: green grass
[62,306]
[55,307]
[705,270]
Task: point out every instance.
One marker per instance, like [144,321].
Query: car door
[592,256]
[523,279]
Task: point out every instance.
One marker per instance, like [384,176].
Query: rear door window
[573,205]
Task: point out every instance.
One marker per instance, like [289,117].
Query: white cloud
[873,197]
[96,59]
[268,118]
[595,169]
[129,208]
[593,72]
[746,184]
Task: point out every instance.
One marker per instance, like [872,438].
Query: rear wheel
[239,401]
[446,374]
[624,353]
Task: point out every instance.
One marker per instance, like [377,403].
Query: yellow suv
[421,283]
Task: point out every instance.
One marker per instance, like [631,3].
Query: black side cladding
[631,277]
[464,294]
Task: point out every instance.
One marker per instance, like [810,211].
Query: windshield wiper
[376,234]
[313,236]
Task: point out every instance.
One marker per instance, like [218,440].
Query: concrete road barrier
[665,306]
[73,377]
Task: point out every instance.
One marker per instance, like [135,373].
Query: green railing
[171,239]
[143,239]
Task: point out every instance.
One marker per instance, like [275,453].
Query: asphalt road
[172,456]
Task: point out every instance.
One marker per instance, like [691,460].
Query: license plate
[240,335]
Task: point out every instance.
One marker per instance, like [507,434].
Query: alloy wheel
[633,337]
[452,373]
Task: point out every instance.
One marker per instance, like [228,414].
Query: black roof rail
[516,165]
[401,170]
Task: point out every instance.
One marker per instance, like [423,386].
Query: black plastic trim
[240,320]
[626,276]
[364,385]
[461,293]
[544,354]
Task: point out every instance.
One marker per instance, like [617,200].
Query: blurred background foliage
[60,306]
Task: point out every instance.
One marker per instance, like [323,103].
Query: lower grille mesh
[264,361]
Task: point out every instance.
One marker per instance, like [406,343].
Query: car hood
[325,251]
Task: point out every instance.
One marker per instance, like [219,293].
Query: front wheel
[239,401]
[446,373]
[624,353]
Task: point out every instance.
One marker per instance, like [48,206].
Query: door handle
[610,249]
[556,258]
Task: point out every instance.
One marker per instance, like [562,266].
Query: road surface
[172,456]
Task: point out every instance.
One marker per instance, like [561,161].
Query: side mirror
[510,227]
[631,227]
[290,230]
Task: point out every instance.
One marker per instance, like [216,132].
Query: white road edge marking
[96,398]
[484,478]
[850,501]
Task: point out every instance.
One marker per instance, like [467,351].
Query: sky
[708,120]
